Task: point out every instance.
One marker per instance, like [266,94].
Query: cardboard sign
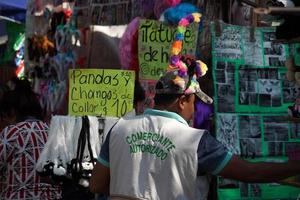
[155,40]
[101,92]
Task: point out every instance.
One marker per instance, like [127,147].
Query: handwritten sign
[101,92]
[154,42]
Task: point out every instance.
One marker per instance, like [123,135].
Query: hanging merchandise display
[110,12]
[252,95]
[51,51]
[73,147]
[39,47]
[19,58]
[81,166]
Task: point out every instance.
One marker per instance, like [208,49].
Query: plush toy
[81,172]
[87,168]
[47,169]
[85,174]
[40,46]
[59,170]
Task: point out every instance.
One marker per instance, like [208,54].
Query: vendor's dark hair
[139,93]
[164,99]
[22,100]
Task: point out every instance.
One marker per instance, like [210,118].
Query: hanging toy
[19,58]
[186,68]
[38,9]
[68,9]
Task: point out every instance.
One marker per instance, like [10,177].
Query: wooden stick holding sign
[101,92]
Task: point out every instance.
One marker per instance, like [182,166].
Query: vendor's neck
[166,108]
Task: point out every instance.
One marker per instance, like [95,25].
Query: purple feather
[198,70]
[190,18]
[174,59]
[182,73]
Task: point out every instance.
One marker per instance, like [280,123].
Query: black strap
[83,139]
[80,148]
[88,136]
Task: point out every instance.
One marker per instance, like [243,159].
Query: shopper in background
[21,144]
[203,119]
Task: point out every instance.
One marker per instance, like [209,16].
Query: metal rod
[278,10]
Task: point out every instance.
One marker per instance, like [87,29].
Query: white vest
[154,157]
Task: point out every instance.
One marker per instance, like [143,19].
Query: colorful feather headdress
[186,69]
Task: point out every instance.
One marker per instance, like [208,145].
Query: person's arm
[99,182]
[260,172]
[214,158]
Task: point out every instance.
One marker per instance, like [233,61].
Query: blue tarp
[18,4]
[13,9]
